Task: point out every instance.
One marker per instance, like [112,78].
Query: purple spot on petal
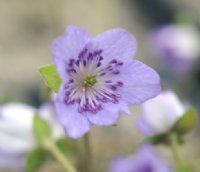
[113,87]
[120,84]
[77,62]
[99,64]
[116,72]
[120,63]
[100,58]
[113,61]
[101,74]
[108,81]
[84,62]
[71,81]
[78,100]
[71,70]
[146,168]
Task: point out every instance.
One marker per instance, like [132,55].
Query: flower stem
[60,157]
[174,147]
[88,154]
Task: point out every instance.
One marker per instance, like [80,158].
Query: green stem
[60,157]
[174,147]
[88,154]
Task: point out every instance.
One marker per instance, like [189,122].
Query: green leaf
[184,168]
[35,160]
[42,129]
[180,139]
[114,125]
[66,146]
[187,122]
[181,18]
[51,76]
[158,139]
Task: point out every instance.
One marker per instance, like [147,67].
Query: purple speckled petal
[69,46]
[75,123]
[109,114]
[100,78]
[116,44]
[140,83]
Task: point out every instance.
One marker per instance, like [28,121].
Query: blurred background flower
[160,114]
[146,159]
[178,46]
[28,29]
[16,131]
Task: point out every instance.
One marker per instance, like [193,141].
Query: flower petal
[75,123]
[140,83]
[146,159]
[11,111]
[144,127]
[162,112]
[16,133]
[15,138]
[109,114]
[122,164]
[47,111]
[116,44]
[12,161]
[69,46]
[149,160]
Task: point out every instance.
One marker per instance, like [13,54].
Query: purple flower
[177,45]
[100,78]
[146,159]
[160,114]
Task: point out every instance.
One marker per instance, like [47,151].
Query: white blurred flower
[47,112]
[160,114]
[16,131]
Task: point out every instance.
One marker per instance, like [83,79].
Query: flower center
[89,81]
[92,83]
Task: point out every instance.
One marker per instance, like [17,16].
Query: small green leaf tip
[35,160]
[42,130]
[187,122]
[51,76]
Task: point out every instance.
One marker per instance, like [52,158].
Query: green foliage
[181,18]
[51,76]
[66,146]
[35,160]
[42,129]
[185,168]
[114,125]
[158,139]
[186,123]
